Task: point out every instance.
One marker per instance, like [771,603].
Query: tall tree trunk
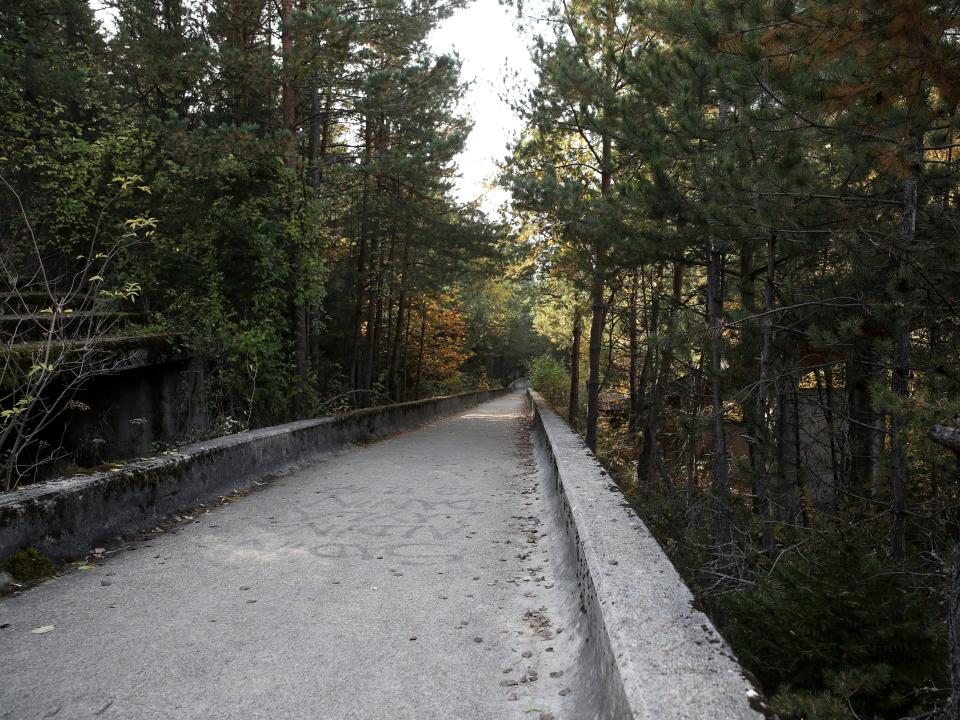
[388,274]
[388,328]
[719,477]
[658,392]
[862,418]
[634,418]
[901,355]
[423,335]
[289,104]
[763,437]
[319,141]
[598,309]
[647,321]
[375,281]
[647,459]
[393,379]
[405,362]
[573,408]
[319,131]
[749,343]
[313,333]
[301,361]
[373,312]
[597,322]
[797,446]
[695,379]
[386,260]
[316,133]
[357,376]
[829,411]
[361,268]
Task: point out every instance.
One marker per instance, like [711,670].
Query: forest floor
[403,579]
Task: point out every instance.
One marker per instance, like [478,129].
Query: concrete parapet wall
[643,650]
[66,517]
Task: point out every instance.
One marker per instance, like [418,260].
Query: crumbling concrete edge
[66,517]
[646,652]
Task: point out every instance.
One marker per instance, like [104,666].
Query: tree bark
[319,133]
[900,379]
[393,380]
[829,411]
[634,418]
[597,321]
[288,91]
[597,306]
[652,366]
[798,449]
[763,437]
[301,362]
[376,270]
[719,477]
[750,340]
[374,307]
[861,417]
[666,363]
[695,379]
[356,374]
[289,104]
[423,334]
[573,408]
[405,361]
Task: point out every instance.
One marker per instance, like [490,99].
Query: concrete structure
[64,518]
[129,412]
[645,651]
[140,387]
[451,572]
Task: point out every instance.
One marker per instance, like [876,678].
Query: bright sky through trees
[497,63]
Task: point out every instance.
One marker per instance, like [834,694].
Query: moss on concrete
[29,564]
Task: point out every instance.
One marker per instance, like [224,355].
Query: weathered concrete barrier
[66,517]
[644,651]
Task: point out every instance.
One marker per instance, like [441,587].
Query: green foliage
[501,317]
[833,614]
[796,165]
[293,210]
[550,378]
[30,564]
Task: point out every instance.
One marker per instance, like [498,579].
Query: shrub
[836,614]
[550,378]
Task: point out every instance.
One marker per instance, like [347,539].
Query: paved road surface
[405,579]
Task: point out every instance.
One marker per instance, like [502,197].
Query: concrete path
[405,579]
